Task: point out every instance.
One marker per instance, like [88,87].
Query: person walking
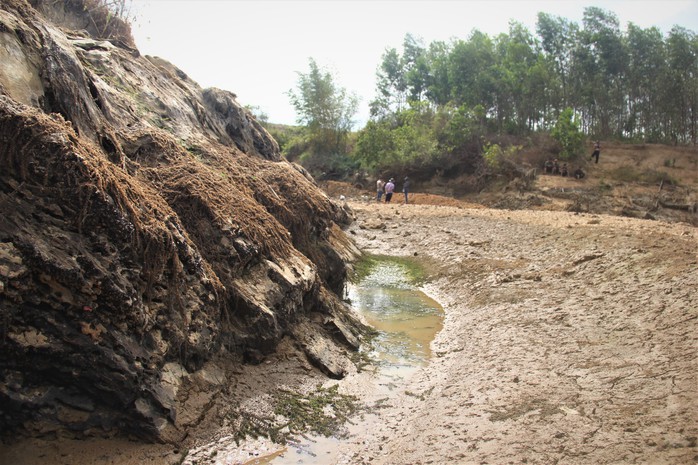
[406,188]
[379,189]
[389,188]
[597,151]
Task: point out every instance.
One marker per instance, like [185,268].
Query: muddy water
[406,321]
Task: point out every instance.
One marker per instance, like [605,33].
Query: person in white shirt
[389,188]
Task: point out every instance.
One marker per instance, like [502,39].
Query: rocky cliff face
[148,228]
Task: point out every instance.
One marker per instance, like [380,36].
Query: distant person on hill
[556,167]
[563,171]
[597,151]
[579,173]
[389,188]
[379,189]
[406,188]
[548,167]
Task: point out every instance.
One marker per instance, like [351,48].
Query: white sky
[256,48]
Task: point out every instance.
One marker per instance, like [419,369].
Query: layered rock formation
[148,228]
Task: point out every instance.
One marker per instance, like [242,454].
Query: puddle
[407,320]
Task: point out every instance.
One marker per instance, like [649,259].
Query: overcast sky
[255,48]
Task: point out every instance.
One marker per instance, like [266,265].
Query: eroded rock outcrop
[147,227]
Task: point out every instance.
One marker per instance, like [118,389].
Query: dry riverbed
[567,338]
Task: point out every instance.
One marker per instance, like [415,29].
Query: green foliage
[292,140]
[328,165]
[493,155]
[633,84]
[325,109]
[497,158]
[422,140]
[566,132]
[437,103]
[461,127]
[375,147]
[407,139]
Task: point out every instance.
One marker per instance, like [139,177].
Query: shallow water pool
[406,321]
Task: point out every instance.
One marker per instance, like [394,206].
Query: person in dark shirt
[406,188]
[597,151]
[548,166]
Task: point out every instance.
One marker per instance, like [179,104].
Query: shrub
[566,132]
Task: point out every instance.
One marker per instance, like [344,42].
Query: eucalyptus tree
[647,70]
[391,85]
[439,89]
[415,66]
[521,81]
[324,108]
[471,71]
[401,77]
[607,59]
[558,36]
[626,84]
[682,85]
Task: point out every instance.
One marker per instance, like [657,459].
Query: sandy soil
[568,338]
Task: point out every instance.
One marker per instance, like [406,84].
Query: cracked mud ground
[568,339]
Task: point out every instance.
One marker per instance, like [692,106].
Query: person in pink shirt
[389,188]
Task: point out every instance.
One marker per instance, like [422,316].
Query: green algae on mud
[322,411]
[414,270]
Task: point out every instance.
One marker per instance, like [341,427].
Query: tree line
[440,100]
[636,84]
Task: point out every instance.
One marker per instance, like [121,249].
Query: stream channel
[406,320]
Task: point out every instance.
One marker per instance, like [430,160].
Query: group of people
[388,188]
[554,167]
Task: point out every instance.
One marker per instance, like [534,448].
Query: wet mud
[568,338]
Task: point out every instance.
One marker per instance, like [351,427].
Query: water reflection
[406,321]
